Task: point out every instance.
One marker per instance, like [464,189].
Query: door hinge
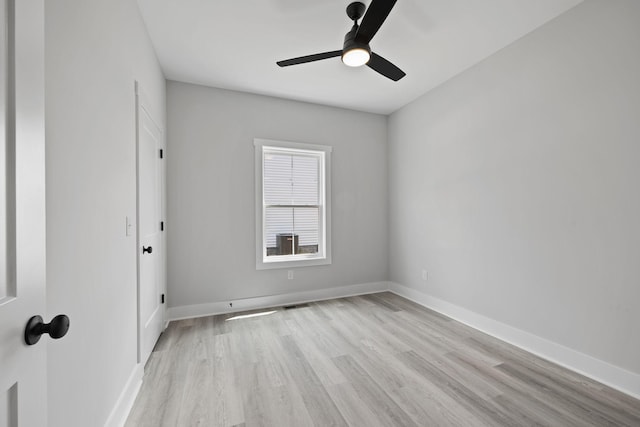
[161,225]
[162,299]
[161,153]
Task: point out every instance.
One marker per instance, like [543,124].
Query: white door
[23,373]
[150,242]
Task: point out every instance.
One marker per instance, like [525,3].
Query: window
[292,204]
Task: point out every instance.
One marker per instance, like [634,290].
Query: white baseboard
[120,412]
[599,370]
[208,309]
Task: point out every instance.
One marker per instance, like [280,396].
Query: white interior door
[150,242]
[23,374]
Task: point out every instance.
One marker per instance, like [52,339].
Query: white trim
[199,310]
[325,243]
[260,142]
[120,411]
[599,370]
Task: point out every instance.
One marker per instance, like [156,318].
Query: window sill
[292,263]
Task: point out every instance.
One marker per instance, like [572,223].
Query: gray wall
[210,182]
[94,51]
[515,185]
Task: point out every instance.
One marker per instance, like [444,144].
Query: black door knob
[147,250]
[57,328]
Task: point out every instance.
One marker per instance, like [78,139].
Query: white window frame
[323,257]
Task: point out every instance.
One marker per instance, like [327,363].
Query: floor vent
[289,307]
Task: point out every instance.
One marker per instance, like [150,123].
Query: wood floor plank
[321,363]
[484,409]
[376,299]
[599,413]
[268,353]
[321,408]
[420,399]
[265,405]
[371,360]
[352,408]
[323,336]
[226,399]
[198,394]
[359,322]
[376,399]
[528,397]
[434,408]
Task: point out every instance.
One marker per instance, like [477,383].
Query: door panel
[9,407]
[150,244]
[23,384]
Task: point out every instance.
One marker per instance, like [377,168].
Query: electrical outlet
[425,275]
[290,274]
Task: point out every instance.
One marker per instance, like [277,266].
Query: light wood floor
[376,360]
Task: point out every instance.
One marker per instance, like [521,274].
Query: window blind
[291,195]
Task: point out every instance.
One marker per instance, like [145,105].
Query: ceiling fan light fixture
[356,51]
[356,57]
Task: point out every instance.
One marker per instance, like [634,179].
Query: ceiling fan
[356,51]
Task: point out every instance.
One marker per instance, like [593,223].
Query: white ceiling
[235,44]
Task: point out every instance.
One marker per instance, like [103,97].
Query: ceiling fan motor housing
[351,42]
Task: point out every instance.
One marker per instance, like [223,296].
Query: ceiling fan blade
[309,58]
[384,67]
[373,19]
